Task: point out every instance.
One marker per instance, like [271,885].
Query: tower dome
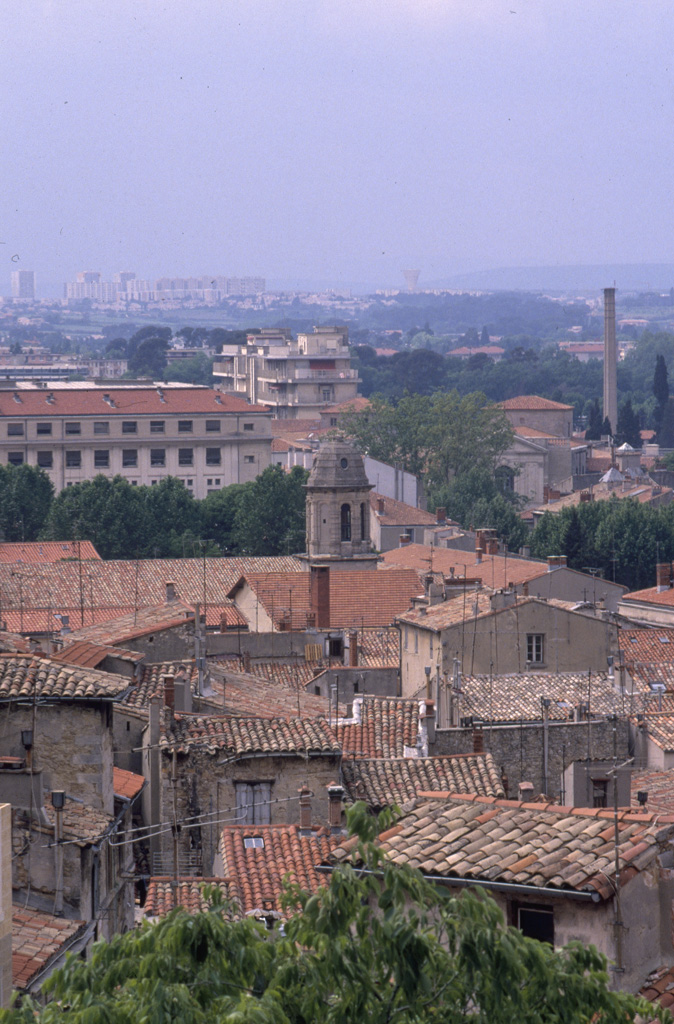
[338,507]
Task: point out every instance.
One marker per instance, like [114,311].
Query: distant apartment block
[23,284]
[297,379]
[126,287]
[141,432]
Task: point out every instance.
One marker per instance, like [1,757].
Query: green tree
[172,517]
[474,500]
[270,517]
[197,370]
[26,494]
[628,428]
[660,381]
[666,431]
[484,337]
[149,358]
[107,511]
[593,431]
[606,428]
[382,945]
[573,540]
[218,513]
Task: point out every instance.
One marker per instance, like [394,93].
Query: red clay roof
[531,403]
[126,784]
[35,552]
[129,401]
[150,684]
[381,727]
[37,940]
[136,624]
[240,737]
[358,598]
[90,655]
[163,896]
[495,571]
[399,513]
[259,873]
[382,783]
[29,676]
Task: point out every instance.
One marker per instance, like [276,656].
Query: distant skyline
[337,142]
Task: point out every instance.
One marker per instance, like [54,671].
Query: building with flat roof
[23,284]
[141,432]
[297,379]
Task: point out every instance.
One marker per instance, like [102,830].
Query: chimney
[353,648]
[492,546]
[662,571]
[525,791]
[478,739]
[610,360]
[305,811]
[478,556]
[246,661]
[525,588]
[561,561]
[335,796]
[168,685]
[183,694]
[170,591]
[404,540]
[440,515]
[546,494]
[380,506]
[320,595]
[429,719]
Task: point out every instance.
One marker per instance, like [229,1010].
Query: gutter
[584,896]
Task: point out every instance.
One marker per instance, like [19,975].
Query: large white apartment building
[297,379]
[141,432]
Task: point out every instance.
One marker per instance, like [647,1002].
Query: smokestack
[320,595]
[610,360]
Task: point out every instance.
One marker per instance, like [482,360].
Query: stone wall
[173,644]
[5,905]
[519,749]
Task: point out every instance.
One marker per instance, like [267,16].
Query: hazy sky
[334,140]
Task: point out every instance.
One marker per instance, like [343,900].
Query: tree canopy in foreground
[380,945]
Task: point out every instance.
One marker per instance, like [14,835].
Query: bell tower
[338,509]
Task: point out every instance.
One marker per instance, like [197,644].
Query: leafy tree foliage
[593,431]
[660,381]
[666,429]
[270,514]
[474,500]
[622,538]
[628,427]
[384,946]
[218,513]
[197,370]
[172,515]
[26,493]
[149,358]
[107,511]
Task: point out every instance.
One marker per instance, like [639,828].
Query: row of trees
[263,517]
[383,945]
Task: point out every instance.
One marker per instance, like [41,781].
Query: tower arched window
[345,517]
[363,524]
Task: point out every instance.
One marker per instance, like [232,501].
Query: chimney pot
[353,648]
[380,506]
[170,591]
[335,796]
[478,740]
[525,791]
[404,540]
[440,514]
[305,810]
[169,692]
[662,574]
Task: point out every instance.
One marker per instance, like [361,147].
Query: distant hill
[626,276]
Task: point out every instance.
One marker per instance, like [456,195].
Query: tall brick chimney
[353,648]
[169,691]
[440,515]
[662,572]
[320,595]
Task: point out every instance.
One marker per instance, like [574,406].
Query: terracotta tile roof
[531,403]
[25,676]
[259,872]
[106,590]
[357,597]
[659,726]
[245,695]
[150,684]
[295,429]
[387,781]
[163,896]
[126,784]
[124,401]
[659,988]
[542,845]
[644,493]
[380,727]
[651,596]
[647,646]
[38,940]
[135,624]
[448,613]
[399,513]
[598,462]
[81,824]
[357,404]
[523,431]
[89,655]
[239,737]
[282,445]
[35,552]
[13,643]
[660,788]
[495,571]
[517,696]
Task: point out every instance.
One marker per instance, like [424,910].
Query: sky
[334,141]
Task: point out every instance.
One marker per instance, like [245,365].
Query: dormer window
[253,843]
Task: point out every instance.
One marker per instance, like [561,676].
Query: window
[157,456]
[416,642]
[212,456]
[253,843]
[253,803]
[363,522]
[184,426]
[15,458]
[129,457]
[345,519]
[600,792]
[249,426]
[406,640]
[101,427]
[101,458]
[15,430]
[249,458]
[535,648]
[43,429]
[73,459]
[129,427]
[185,456]
[536,921]
[333,421]
[157,426]
[73,428]
[45,460]
[212,426]
[327,394]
